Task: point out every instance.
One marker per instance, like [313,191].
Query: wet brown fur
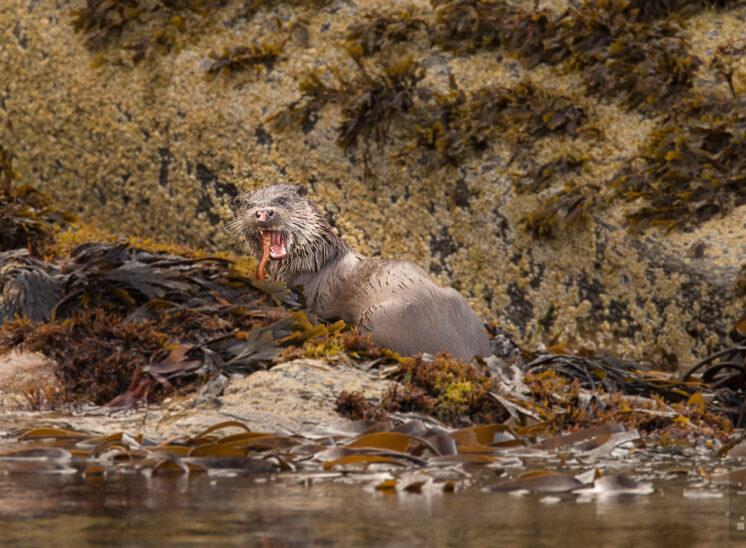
[395,301]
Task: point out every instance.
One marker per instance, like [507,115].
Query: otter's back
[408,313]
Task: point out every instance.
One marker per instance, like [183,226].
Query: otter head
[284,229]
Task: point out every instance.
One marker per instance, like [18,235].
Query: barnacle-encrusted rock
[115,113]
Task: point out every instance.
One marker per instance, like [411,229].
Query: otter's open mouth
[273,247]
[273,242]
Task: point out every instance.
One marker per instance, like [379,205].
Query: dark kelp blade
[482,435]
[358,460]
[40,453]
[215,427]
[392,441]
[57,433]
[539,481]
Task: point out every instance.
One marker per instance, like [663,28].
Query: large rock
[297,397]
[159,149]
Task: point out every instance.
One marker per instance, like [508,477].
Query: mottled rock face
[148,137]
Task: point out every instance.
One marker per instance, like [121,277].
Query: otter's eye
[281,201]
[241,201]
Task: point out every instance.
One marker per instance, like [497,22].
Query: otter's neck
[323,274]
[310,256]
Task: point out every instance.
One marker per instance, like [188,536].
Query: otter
[394,301]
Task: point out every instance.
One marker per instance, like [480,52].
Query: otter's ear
[302,190]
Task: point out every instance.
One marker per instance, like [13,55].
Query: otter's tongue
[273,246]
[266,246]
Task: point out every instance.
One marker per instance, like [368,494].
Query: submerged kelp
[381,447]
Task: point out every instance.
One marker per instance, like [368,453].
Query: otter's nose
[264,214]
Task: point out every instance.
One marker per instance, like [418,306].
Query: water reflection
[136,510]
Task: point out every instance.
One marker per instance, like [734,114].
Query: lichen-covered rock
[151,121]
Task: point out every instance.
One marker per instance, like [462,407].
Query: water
[138,510]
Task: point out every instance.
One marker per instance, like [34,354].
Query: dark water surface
[66,509]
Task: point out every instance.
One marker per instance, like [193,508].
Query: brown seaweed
[561,211]
[540,177]
[28,218]
[254,57]
[449,127]
[379,31]
[622,48]
[724,61]
[370,101]
[108,312]
[692,167]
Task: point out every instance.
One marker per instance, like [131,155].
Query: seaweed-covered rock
[114,111]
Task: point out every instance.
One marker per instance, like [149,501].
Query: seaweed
[254,57]
[620,46]
[692,168]
[540,177]
[249,8]
[148,25]
[573,395]
[354,406]
[370,100]
[144,26]
[28,219]
[380,31]
[725,372]
[102,20]
[451,126]
[112,313]
[621,54]
[472,25]
[645,66]
[654,9]
[724,62]
[448,389]
[739,286]
[562,210]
